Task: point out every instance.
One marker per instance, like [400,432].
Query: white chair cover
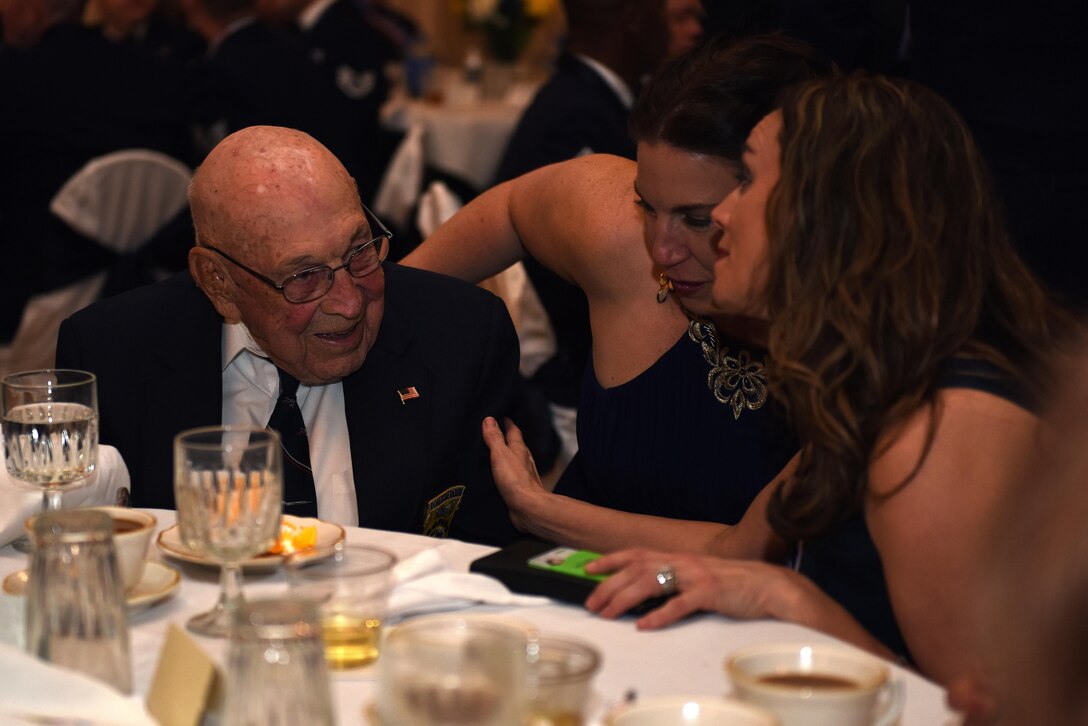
[436,205]
[119,200]
[403,180]
[535,333]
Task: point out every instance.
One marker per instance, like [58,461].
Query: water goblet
[50,432]
[228,484]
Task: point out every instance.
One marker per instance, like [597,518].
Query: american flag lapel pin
[406,393]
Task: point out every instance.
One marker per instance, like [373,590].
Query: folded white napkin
[436,205]
[19,500]
[425,583]
[12,617]
[29,691]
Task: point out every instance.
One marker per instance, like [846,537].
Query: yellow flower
[539,8]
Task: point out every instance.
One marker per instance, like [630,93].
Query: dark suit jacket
[157,354]
[353,54]
[575,109]
[260,75]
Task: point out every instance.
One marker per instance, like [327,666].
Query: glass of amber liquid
[350,586]
[561,672]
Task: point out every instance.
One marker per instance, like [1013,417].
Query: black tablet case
[510,566]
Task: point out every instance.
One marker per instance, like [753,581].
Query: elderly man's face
[287,210]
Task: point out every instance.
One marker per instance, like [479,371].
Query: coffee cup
[132,529]
[806,684]
[690,711]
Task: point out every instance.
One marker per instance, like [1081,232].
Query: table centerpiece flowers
[506,25]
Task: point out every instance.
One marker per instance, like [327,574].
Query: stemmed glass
[228,483]
[50,432]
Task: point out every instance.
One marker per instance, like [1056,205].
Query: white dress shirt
[250,388]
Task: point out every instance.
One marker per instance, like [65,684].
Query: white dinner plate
[159,582]
[328,534]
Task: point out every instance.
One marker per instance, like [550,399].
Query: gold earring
[666,287]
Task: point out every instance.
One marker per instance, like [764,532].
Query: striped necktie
[299,494]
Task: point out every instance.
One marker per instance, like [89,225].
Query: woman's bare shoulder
[586,189]
[582,220]
[962,431]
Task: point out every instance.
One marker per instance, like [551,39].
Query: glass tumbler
[75,604]
[350,585]
[276,674]
[561,672]
[453,671]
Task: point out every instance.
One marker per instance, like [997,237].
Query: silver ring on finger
[666,578]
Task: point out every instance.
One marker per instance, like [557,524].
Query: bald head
[271,205]
[260,177]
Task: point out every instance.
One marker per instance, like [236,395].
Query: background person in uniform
[352,54]
[255,74]
[148,26]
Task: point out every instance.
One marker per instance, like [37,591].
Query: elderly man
[286,287]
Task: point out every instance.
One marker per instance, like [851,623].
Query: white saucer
[158,583]
[169,542]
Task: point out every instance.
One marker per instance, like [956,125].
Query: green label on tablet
[568,561]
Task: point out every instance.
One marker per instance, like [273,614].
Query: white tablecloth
[463,134]
[686,658]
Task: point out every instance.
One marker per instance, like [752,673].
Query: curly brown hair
[888,255]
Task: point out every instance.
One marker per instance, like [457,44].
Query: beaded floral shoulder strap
[735,380]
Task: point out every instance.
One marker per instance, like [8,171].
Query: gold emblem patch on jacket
[440,511]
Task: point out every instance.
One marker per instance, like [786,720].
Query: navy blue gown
[684,439]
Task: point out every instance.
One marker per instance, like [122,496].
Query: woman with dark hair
[674,388]
[909,345]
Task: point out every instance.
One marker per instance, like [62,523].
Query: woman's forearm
[576,523]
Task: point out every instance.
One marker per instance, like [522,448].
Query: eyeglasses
[313,282]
